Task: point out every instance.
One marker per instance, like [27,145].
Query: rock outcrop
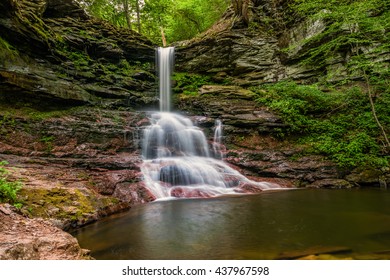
[265,47]
[77,165]
[33,239]
[250,134]
[53,53]
[61,75]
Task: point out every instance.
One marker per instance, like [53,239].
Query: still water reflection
[247,227]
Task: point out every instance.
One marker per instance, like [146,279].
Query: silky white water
[165,61]
[217,140]
[178,159]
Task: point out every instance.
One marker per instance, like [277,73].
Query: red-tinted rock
[248,188]
[35,239]
[190,193]
[133,193]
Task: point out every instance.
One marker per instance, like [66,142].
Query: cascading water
[217,140]
[165,63]
[177,161]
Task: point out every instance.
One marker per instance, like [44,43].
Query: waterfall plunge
[165,61]
[177,161]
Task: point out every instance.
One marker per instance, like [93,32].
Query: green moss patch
[75,206]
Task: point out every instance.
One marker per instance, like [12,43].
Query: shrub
[337,124]
[8,189]
[189,84]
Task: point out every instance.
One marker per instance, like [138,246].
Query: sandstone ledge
[23,238]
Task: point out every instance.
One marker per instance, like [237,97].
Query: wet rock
[316,250]
[178,175]
[248,188]
[365,177]
[190,193]
[71,162]
[133,193]
[331,184]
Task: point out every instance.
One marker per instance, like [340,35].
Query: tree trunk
[138,16]
[164,40]
[387,142]
[127,13]
[242,9]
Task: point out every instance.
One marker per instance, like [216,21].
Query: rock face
[53,53]
[32,239]
[252,145]
[247,57]
[234,106]
[61,75]
[267,46]
[72,165]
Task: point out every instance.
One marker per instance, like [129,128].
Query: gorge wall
[69,87]
[266,46]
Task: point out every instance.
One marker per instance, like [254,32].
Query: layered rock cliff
[53,53]
[268,45]
[62,74]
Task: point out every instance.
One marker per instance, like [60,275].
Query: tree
[137,6]
[180,19]
[127,12]
[242,9]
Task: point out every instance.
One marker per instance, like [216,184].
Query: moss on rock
[65,207]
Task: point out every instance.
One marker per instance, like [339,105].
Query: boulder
[133,193]
[331,184]
[190,193]
[35,239]
[176,175]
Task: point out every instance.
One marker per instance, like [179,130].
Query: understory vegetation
[336,123]
[8,189]
[189,84]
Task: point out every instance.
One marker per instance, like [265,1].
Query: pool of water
[261,226]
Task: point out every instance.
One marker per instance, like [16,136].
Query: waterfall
[176,154]
[217,140]
[165,64]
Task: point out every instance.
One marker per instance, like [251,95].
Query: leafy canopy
[179,19]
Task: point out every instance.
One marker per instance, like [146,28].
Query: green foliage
[189,84]
[7,122]
[295,103]
[180,19]
[8,189]
[187,18]
[336,124]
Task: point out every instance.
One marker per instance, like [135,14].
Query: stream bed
[269,225]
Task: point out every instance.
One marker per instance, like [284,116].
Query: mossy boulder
[65,207]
